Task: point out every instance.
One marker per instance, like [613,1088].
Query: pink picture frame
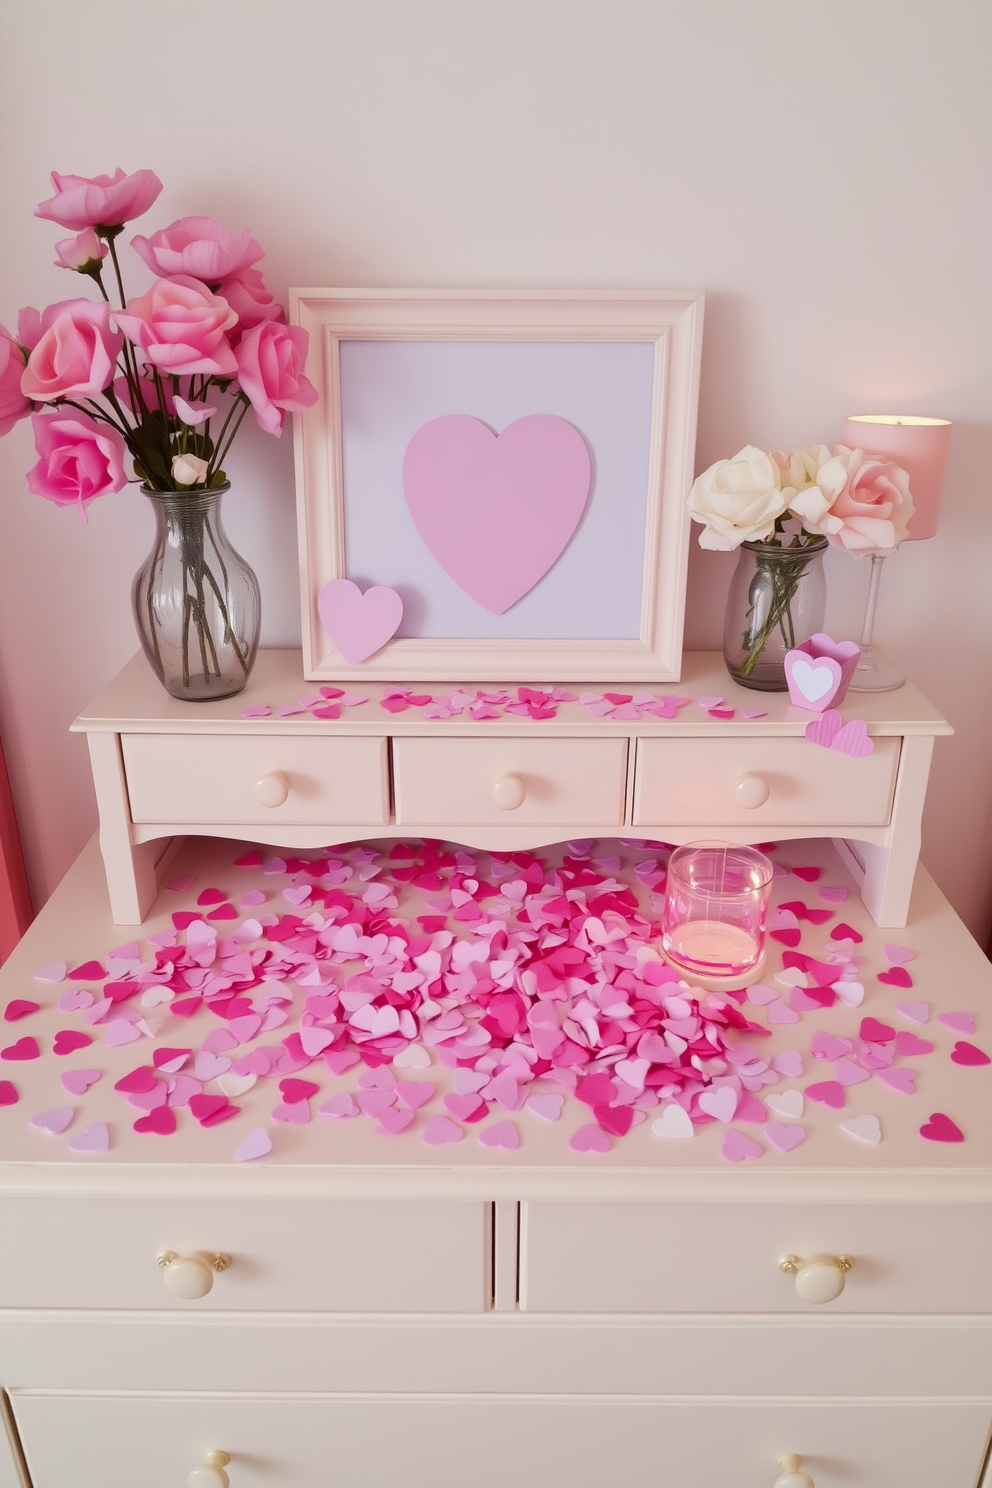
[622,367]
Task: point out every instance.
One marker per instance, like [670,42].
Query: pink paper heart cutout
[784,1137]
[909,1044]
[19,1008]
[374,1102]
[93,1138]
[298,1115]
[736,1147]
[896,976]
[25,1048]
[874,1032]
[916,1012]
[207,1065]
[897,954]
[965,1053]
[77,1082]
[413,1093]
[900,1078]
[823,731]
[496,512]
[941,1128]
[828,1092]
[827,1046]
[257,1144]
[54,1122]
[161,1121]
[853,740]
[358,624]
[67,1040]
[340,1106]
[392,1121]
[548,1107]
[960,1022]
[503,1134]
[720,1103]
[54,973]
[8,1094]
[760,996]
[439,1131]
[846,1072]
[119,1032]
[779,1013]
[76,999]
[590,1138]
[813,683]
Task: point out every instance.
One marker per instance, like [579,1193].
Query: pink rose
[874,506]
[76,353]
[247,294]
[180,327]
[80,459]
[99,201]
[198,246]
[271,359]
[13,404]
[84,253]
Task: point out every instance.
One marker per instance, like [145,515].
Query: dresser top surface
[949,974]
[135,701]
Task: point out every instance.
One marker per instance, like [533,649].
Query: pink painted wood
[16,909]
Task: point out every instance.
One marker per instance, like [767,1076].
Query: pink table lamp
[920,446]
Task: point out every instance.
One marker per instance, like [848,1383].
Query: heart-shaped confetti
[897,954]
[788,1103]
[257,1144]
[8,1094]
[900,1078]
[162,1121]
[784,1138]
[439,1131]
[120,1031]
[54,1121]
[960,1022]
[916,1012]
[77,998]
[393,1121]
[908,1044]
[828,1092]
[339,1106]
[503,1134]
[846,1073]
[54,973]
[896,976]
[413,1094]
[590,1138]
[548,1107]
[68,1040]
[93,1138]
[673,1122]
[25,1048]
[866,1128]
[941,1128]
[720,1103]
[874,1032]
[965,1053]
[77,1082]
[760,996]
[736,1147]
[295,1115]
[19,1008]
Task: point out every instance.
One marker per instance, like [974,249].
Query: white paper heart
[673,1122]
[788,1103]
[865,1128]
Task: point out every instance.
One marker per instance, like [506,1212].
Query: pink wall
[820,170]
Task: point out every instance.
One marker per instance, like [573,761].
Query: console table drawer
[648,1257]
[463,782]
[97,1440]
[215,778]
[694,782]
[306,1255]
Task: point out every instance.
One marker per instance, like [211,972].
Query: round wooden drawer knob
[789,1474]
[818,1280]
[509,792]
[272,789]
[751,791]
[190,1277]
[211,1474]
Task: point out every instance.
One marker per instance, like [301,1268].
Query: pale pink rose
[13,404]
[180,327]
[80,459]
[76,353]
[84,253]
[874,505]
[271,359]
[99,201]
[29,327]
[189,470]
[247,294]
[198,246]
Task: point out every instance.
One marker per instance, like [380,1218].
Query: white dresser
[401,1314]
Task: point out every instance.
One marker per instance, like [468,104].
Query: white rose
[739,500]
[188,470]
[812,479]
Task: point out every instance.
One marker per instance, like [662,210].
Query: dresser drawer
[648,1257]
[309,1255]
[693,782]
[96,1440]
[214,778]
[562,782]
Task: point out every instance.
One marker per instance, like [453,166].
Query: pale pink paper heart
[77,1082]
[866,1128]
[785,1138]
[900,1078]
[720,1103]
[898,955]
[93,1138]
[548,1107]
[207,1065]
[119,1032]
[823,731]
[853,740]
[393,1121]
[358,624]
[56,972]
[779,1013]
[788,1103]
[916,1012]
[736,1147]
[709,702]
[496,512]
[590,1138]
[413,1094]
[439,1131]
[846,1072]
[760,996]
[339,1106]
[55,1121]
[960,1022]
[503,1134]
[298,1114]
[78,998]
[851,994]
[257,1144]
[788,1062]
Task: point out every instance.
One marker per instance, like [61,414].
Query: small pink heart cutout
[358,624]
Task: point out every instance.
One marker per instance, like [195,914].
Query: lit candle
[919,445]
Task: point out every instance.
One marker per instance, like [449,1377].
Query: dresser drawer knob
[789,1474]
[751,791]
[509,792]
[818,1280]
[191,1276]
[212,1474]
[272,789]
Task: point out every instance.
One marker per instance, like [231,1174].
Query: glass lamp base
[876,673]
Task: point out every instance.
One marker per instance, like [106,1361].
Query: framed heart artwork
[492,485]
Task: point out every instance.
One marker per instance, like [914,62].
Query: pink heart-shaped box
[819,671]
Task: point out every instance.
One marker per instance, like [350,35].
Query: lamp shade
[919,445]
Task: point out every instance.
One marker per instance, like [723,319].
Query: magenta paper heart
[965,1053]
[496,511]
[161,1121]
[358,624]
[823,731]
[853,739]
[812,684]
[941,1128]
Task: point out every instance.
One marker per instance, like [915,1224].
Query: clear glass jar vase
[777,599]
[195,600]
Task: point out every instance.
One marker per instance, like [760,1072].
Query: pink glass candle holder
[716,910]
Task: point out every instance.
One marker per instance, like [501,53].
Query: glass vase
[195,600]
[777,599]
